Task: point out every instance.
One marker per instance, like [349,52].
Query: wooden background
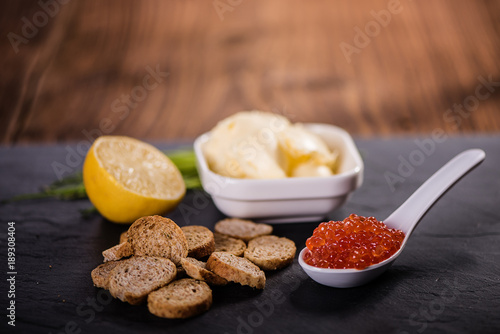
[72,78]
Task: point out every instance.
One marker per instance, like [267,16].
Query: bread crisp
[157,236]
[155,254]
[100,275]
[200,241]
[124,236]
[117,252]
[225,243]
[270,252]
[181,272]
[181,299]
[133,279]
[197,269]
[242,229]
[236,269]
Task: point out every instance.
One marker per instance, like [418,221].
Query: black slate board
[446,280]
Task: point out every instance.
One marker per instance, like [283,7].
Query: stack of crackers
[173,267]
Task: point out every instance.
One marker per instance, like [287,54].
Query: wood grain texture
[73,79]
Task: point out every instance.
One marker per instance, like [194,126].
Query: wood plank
[71,80]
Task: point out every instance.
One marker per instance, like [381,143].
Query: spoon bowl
[405,218]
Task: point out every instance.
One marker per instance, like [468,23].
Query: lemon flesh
[126,179]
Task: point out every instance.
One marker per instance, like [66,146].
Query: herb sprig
[72,188]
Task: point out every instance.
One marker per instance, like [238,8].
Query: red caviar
[356,242]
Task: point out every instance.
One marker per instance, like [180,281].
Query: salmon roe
[356,242]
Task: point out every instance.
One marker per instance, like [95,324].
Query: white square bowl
[294,199]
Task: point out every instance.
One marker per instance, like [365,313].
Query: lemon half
[126,179]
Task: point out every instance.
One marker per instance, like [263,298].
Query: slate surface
[446,280]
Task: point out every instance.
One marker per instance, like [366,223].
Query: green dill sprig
[71,187]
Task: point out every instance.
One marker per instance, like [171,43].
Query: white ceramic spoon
[405,218]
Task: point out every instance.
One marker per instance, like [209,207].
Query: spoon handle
[409,213]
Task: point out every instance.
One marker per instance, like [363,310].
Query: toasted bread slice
[181,299]
[157,236]
[118,252]
[225,243]
[100,275]
[181,272]
[270,252]
[200,241]
[133,279]
[198,270]
[124,236]
[242,229]
[236,269]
